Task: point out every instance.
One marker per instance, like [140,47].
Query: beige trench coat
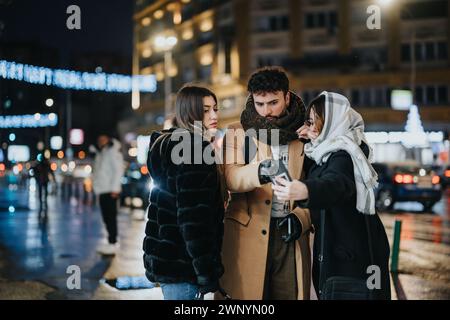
[247,221]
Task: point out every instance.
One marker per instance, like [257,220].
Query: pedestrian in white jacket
[108,171]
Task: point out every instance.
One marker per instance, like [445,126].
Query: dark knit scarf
[288,124]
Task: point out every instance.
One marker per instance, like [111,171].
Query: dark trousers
[43,194]
[281,277]
[108,207]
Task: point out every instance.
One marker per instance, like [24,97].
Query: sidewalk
[128,262]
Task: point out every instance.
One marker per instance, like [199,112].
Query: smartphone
[282,172]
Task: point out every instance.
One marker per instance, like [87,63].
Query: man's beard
[274,118]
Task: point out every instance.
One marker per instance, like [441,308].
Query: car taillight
[447,173]
[403,178]
[398,178]
[435,179]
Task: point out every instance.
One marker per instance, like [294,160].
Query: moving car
[408,181]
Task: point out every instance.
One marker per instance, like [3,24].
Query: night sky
[106,32]
[106,25]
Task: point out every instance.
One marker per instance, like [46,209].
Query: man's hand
[267,168]
[290,190]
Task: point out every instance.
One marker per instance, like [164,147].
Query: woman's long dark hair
[189,105]
[318,106]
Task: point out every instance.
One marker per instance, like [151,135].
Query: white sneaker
[108,249]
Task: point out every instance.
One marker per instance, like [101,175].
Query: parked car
[445,177]
[136,186]
[408,181]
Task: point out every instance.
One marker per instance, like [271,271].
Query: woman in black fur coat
[183,235]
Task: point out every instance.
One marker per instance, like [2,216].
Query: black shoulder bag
[338,287]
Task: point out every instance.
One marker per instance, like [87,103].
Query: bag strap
[369,239]
[322,251]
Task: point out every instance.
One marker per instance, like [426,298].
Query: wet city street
[36,250]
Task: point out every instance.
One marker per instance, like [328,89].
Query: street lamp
[166,44]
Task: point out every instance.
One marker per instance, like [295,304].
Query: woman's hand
[290,190]
[303,132]
[307,132]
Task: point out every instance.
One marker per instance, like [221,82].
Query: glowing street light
[163,43]
[49,102]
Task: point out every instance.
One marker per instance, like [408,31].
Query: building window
[205,73]
[425,10]
[379,97]
[272,23]
[430,95]
[355,97]
[442,50]
[272,60]
[309,21]
[418,95]
[188,74]
[187,11]
[406,52]
[442,94]
[204,38]
[425,51]
[321,20]
[366,97]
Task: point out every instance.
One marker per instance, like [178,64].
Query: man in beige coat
[259,261]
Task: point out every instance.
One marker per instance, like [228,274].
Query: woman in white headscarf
[339,188]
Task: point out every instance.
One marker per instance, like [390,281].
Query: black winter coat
[331,186]
[183,235]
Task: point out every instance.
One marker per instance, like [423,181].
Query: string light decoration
[29,121]
[75,80]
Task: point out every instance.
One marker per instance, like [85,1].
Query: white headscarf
[344,130]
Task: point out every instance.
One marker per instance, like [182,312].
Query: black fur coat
[183,235]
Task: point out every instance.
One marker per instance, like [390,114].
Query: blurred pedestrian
[185,216]
[42,173]
[107,174]
[339,188]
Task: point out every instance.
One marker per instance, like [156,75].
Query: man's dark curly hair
[268,79]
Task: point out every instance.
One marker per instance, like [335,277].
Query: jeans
[179,291]
[108,207]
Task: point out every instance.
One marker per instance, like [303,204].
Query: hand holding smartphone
[282,172]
